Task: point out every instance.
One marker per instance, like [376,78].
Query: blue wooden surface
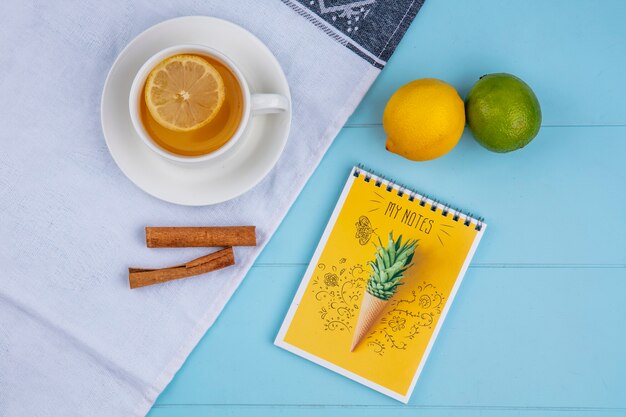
[538,327]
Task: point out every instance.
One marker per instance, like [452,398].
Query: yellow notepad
[323,318]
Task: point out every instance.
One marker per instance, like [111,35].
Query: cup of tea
[190,103]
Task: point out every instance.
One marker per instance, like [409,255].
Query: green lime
[503,112]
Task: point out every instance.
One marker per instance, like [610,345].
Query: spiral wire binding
[423,198]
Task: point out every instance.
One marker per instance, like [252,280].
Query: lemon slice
[184,93]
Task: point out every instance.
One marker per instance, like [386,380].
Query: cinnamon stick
[180,237]
[140,277]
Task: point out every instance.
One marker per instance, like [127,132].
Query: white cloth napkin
[74,340]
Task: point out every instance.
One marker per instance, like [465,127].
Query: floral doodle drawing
[337,288]
[364,230]
[407,318]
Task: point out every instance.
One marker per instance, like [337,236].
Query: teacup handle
[269,103]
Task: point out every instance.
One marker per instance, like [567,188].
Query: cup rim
[140,79]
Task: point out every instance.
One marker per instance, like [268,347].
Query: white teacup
[253,104]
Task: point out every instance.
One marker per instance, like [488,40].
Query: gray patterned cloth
[74,340]
[370,28]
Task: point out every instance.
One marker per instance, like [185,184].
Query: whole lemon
[424,119]
[503,112]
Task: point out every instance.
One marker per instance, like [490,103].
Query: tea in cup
[190,103]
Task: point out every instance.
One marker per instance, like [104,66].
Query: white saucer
[226,176]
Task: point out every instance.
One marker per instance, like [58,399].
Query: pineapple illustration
[387,272]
